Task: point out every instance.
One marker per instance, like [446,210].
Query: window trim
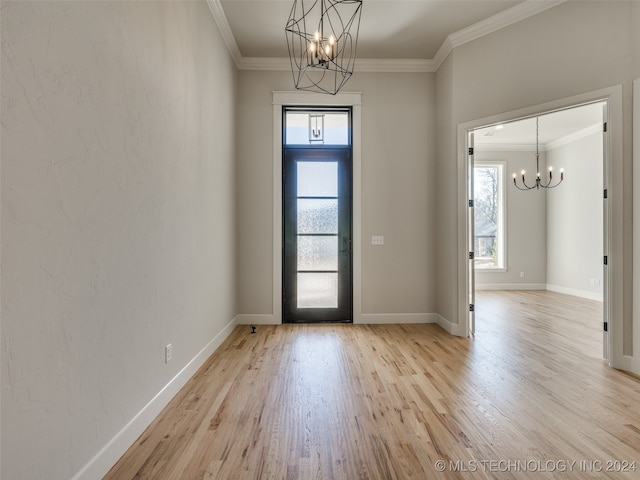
[304,99]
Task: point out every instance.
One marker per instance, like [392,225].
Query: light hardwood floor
[525,398]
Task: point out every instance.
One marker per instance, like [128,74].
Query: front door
[317,205]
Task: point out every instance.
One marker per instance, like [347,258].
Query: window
[317,127]
[489,215]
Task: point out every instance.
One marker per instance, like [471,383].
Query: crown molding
[409,65]
[225,30]
[443,52]
[512,15]
[507,147]
[575,136]
[543,147]
[519,12]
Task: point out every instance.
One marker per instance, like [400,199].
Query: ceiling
[554,128]
[388,29]
[395,35]
[400,35]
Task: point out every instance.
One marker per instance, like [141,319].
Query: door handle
[346,245]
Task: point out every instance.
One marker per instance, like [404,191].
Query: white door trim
[307,99]
[613,182]
[636,228]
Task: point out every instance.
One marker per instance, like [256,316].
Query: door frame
[308,99]
[613,346]
[471,230]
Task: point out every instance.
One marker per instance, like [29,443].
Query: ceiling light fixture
[538,182]
[322,36]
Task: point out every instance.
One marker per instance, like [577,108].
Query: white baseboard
[541,286]
[390,318]
[258,319]
[599,297]
[452,328]
[511,286]
[368,318]
[99,465]
[365,318]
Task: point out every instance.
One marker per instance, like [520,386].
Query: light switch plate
[377,240]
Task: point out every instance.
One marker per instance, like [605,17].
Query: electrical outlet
[521,274]
[377,240]
[168,353]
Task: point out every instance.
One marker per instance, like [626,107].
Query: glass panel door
[317,235]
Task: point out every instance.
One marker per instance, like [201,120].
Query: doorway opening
[552,239]
[317,192]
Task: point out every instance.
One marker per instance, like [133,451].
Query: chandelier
[322,36]
[538,181]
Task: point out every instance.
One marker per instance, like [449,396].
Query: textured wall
[117,217]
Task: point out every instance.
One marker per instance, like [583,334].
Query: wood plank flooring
[525,398]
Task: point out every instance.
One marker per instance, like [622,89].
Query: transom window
[316,127]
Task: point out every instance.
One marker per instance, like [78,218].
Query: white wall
[397,191]
[517,67]
[446,172]
[574,219]
[118,226]
[526,227]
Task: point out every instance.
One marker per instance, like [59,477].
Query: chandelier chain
[538,181]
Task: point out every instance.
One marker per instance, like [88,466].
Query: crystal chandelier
[538,181]
[322,36]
